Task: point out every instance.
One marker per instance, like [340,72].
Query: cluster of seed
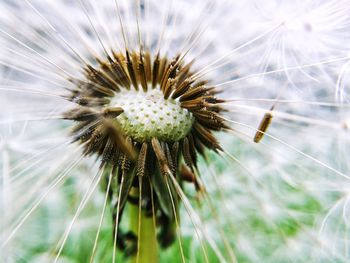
[147,118]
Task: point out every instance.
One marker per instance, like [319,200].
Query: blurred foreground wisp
[181,131]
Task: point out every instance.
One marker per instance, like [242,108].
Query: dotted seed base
[148,114]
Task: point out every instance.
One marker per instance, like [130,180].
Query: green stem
[148,239]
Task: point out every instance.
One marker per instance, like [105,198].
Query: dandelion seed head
[272,199]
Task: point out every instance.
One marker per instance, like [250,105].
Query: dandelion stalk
[146,232]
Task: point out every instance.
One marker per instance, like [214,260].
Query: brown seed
[142,72]
[206,137]
[141,162]
[155,72]
[210,119]
[264,124]
[186,174]
[162,67]
[186,153]
[182,88]
[195,93]
[162,160]
[175,155]
[169,157]
[148,67]
[131,70]
[113,112]
[120,69]
[81,114]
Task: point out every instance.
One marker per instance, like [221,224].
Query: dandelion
[180,131]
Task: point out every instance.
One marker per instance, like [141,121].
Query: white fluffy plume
[284,199]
